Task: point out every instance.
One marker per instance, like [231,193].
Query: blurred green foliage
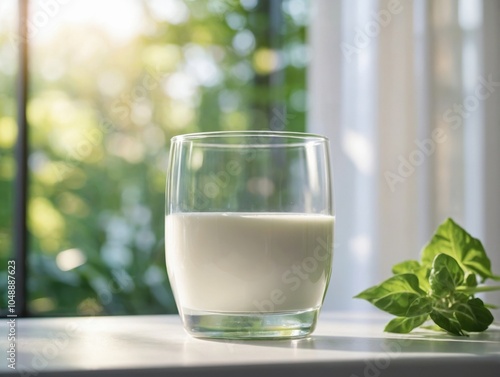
[101,113]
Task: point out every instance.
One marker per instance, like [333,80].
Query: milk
[248,262]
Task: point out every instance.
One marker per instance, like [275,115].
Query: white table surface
[343,345]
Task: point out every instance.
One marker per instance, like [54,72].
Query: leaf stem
[478,289]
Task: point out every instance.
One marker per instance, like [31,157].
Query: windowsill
[345,344]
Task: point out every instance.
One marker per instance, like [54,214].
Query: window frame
[20,231]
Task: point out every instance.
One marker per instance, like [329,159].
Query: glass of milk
[249,232]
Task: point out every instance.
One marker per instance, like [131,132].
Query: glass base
[281,325]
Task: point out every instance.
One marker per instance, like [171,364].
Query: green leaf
[473,316]
[395,295]
[414,267]
[446,321]
[446,274]
[420,306]
[403,325]
[441,286]
[471,280]
[453,240]
[461,297]
[406,266]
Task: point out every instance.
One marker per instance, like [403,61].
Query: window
[8,132]
[110,82]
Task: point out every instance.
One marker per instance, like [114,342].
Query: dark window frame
[20,231]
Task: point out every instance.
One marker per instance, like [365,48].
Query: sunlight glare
[69,259]
[361,247]
[120,19]
[360,151]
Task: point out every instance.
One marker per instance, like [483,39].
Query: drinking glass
[249,232]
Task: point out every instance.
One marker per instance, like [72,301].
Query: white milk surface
[248,262]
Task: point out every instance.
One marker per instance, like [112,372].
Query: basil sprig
[440,287]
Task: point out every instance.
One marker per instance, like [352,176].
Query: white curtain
[408,92]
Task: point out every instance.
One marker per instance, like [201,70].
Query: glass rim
[208,139]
